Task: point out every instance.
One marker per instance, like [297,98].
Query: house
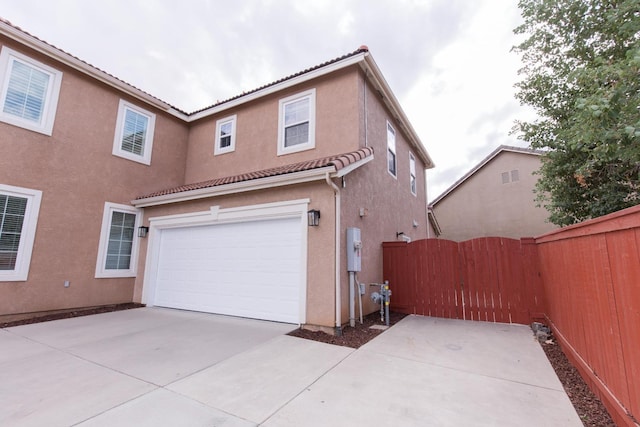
[495,198]
[109,194]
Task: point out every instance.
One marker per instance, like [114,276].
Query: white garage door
[250,269]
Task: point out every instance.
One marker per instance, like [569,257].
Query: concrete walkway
[161,367]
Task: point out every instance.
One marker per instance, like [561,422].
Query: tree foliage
[581,74]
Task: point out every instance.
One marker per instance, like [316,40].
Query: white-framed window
[19,208]
[392,165]
[29,92]
[412,175]
[134,133]
[118,250]
[297,123]
[225,135]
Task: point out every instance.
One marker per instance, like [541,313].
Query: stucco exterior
[78,174]
[495,199]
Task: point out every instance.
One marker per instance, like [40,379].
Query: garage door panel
[250,269]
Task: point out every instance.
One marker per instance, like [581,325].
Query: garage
[252,268]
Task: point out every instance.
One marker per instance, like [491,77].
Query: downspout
[336,191]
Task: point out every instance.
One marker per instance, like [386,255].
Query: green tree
[581,74]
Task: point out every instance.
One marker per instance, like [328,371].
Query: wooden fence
[583,281]
[591,276]
[490,279]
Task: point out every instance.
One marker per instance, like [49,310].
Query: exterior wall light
[142,231]
[313,217]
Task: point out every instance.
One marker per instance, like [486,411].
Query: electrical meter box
[354,249]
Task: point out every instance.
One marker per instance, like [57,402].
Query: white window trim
[123,106]
[21,271]
[45,125]
[101,271]
[223,150]
[311,95]
[412,174]
[392,149]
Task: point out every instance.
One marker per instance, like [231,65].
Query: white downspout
[336,191]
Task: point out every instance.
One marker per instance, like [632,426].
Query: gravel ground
[591,411]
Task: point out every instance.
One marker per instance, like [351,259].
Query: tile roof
[338,161]
[361,49]
[5,21]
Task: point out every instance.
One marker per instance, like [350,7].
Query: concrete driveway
[161,367]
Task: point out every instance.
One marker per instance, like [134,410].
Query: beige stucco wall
[484,206]
[257,130]
[387,201]
[320,305]
[77,173]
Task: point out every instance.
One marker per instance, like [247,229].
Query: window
[29,92]
[514,176]
[391,150]
[505,177]
[118,241]
[134,133]
[225,135]
[19,208]
[412,174]
[296,123]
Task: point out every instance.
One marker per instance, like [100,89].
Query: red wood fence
[591,276]
[491,279]
[583,280]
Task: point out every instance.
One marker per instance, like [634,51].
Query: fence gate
[490,279]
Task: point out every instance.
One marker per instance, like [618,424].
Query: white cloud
[448,61]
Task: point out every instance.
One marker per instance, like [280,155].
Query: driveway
[162,367]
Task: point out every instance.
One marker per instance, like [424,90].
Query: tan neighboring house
[495,198]
[110,195]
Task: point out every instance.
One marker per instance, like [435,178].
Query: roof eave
[317,174]
[51,51]
[236,187]
[311,75]
[480,165]
[375,76]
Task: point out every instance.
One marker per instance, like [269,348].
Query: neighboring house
[90,163]
[495,198]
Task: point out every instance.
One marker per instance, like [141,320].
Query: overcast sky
[447,61]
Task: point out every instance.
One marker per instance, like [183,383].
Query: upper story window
[118,245]
[513,176]
[225,135]
[29,92]
[134,133]
[412,174]
[392,166]
[19,208]
[297,123]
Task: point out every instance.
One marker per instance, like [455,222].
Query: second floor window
[28,92]
[391,151]
[225,135]
[134,133]
[296,127]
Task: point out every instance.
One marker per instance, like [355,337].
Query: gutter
[336,192]
[77,64]
[236,187]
